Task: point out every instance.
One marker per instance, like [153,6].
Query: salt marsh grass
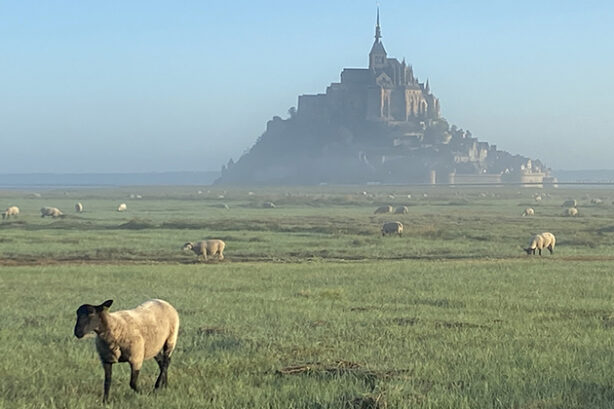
[312,308]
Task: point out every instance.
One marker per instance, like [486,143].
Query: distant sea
[67,180]
[585,176]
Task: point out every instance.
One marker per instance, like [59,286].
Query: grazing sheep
[51,212]
[571,212]
[401,210]
[596,201]
[79,207]
[10,211]
[269,205]
[569,203]
[207,247]
[122,207]
[538,198]
[528,212]
[541,241]
[147,331]
[392,228]
[383,209]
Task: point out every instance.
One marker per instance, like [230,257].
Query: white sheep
[79,207]
[51,212]
[528,212]
[571,212]
[541,241]
[207,248]
[269,205]
[596,201]
[392,228]
[147,331]
[401,210]
[569,203]
[383,209]
[10,211]
[122,207]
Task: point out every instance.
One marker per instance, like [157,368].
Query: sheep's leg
[220,256]
[134,376]
[551,250]
[163,360]
[540,251]
[163,363]
[108,370]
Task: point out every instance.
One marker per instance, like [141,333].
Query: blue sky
[137,86]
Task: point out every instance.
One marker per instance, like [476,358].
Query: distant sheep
[538,198]
[541,241]
[569,203]
[596,201]
[51,212]
[528,212]
[122,207]
[383,209]
[207,248]
[79,207]
[147,331]
[392,228]
[401,210]
[571,212]
[269,205]
[10,211]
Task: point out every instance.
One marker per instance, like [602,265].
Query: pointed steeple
[377,56]
[427,88]
[378,31]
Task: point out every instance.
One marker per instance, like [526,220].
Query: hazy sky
[135,86]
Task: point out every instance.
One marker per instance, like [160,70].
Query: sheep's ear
[105,305]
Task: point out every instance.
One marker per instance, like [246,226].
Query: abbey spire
[377,56]
[378,31]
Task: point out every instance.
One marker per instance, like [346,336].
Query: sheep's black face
[530,251]
[188,246]
[88,320]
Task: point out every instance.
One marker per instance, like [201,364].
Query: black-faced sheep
[528,212]
[147,331]
[392,228]
[10,211]
[401,210]
[207,248]
[79,207]
[51,212]
[541,241]
[383,209]
[269,205]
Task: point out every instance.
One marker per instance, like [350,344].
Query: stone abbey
[387,90]
[379,124]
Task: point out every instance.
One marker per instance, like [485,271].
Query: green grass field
[312,308]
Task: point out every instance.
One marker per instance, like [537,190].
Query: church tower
[377,56]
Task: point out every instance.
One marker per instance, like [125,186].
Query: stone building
[387,90]
[378,124]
